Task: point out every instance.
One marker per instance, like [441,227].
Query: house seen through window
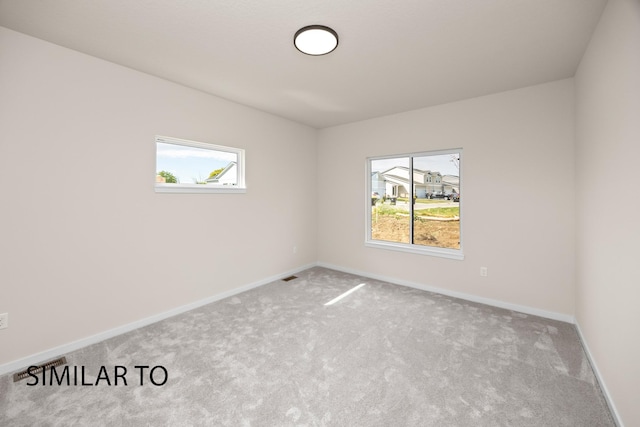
[415,203]
[190,166]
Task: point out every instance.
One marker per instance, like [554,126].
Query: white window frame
[240,187]
[449,253]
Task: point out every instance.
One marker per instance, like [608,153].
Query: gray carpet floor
[384,355]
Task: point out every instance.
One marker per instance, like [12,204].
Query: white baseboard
[46,355]
[38,358]
[469,297]
[603,386]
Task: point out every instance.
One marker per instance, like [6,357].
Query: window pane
[391,190]
[436,220]
[182,164]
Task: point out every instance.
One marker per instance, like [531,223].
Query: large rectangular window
[197,167]
[413,203]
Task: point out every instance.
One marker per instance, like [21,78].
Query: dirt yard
[442,234]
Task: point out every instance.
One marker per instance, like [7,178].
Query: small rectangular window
[409,211]
[184,166]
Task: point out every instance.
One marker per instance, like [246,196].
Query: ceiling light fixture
[315,40]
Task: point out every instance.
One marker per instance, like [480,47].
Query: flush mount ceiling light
[315,40]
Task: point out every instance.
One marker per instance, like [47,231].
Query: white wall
[608,205]
[517,195]
[86,243]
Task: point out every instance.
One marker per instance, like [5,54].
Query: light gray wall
[517,195]
[87,244]
[608,205]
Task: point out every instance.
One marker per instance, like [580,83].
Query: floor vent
[290,278]
[39,368]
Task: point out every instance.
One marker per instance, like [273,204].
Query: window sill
[421,250]
[198,189]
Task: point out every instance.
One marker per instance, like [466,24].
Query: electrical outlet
[484,272]
[295,249]
[4,320]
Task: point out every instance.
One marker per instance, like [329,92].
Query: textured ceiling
[393,55]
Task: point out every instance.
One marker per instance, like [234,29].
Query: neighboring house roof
[415,170]
[392,175]
[397,179]
[451,179]
[216,179]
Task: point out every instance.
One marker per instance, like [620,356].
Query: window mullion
[411,202]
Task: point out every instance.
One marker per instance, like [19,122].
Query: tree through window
[190,166]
